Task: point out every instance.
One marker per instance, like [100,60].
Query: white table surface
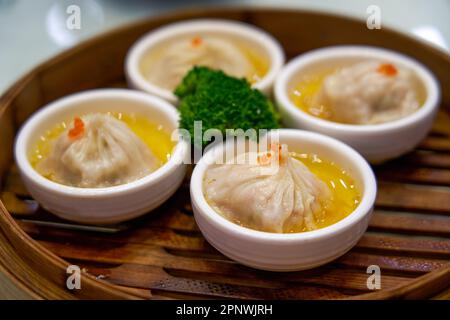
[32,31]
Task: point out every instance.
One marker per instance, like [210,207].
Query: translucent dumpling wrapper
[369,92]
[97,150]
[168,69]
[277,193]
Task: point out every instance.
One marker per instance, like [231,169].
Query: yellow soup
[154,136]
[306,90]
[343,200]
[345,196]
[259,63]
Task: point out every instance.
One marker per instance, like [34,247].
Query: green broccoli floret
[222,102]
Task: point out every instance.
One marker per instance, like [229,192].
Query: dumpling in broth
[180,55]
[98,150]
[369,92]
[276,194]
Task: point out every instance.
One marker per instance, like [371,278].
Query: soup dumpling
[369,92]
[276,194]
[180,55]
[97,150]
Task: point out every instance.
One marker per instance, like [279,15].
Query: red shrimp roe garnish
[387,69]
[266,158]
[276,148]
[197,41]
[77,130]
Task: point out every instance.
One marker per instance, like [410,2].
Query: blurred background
[33,31]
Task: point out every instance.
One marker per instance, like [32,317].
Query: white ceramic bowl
[295,251]
[377,142]
[110,204]
[259,39]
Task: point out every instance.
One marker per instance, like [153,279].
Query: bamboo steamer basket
[163,255]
